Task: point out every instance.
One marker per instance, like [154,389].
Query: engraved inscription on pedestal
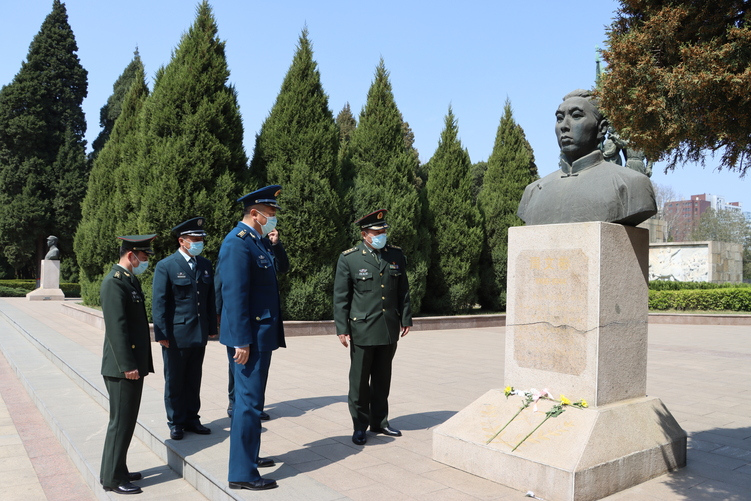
[550,324]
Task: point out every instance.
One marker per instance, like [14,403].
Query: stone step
[62,377]
[77,417]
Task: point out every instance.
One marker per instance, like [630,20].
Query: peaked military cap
[138,242]
[191,227]
[266,196]
[374,220]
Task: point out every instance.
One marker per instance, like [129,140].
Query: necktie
[192,263]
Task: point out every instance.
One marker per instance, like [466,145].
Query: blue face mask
[195,248]
[269,226]
[142,265]
[378,241]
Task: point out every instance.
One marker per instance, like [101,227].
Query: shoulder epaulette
[243,233]
[349,251]
[118,275]
[395,247]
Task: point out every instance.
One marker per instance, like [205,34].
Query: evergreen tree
[42,150]
[385,167]
[191,161]
[455,226]
[347,124]
[113,107]
[107,209]
[297,148]
[511,167]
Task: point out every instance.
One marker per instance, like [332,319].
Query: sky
[470,55]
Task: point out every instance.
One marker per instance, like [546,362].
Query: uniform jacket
[251,309]
[371,299]
[127,342]
[183,304]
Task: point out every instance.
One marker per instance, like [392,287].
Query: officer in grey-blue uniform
[251,328]
[184,316]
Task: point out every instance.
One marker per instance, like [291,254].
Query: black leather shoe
[126,488]
[359,437]
[266,462]
[198,428]
[134,475]
[258,485]
[176,433]
[264,416]
[386,430]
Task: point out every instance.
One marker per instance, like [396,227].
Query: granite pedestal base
[576,325]
[49,283]
[582,454]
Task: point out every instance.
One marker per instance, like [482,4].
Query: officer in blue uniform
[184,314]
[275,248]
[371,310]
[126,358]
[251,328]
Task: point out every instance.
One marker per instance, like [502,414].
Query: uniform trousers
[369,385]
[245,431]
[183,368]
[125,400]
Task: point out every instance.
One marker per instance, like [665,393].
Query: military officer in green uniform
[126,358]
[371,310]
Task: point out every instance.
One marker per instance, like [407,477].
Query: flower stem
[505,425]
[530,433]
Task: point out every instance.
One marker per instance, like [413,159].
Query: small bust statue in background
[586,187]
[54,253]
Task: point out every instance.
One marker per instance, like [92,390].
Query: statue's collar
[583,163]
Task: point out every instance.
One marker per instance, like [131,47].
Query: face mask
[195,248]
[142,265]
[378,241]
[269,226]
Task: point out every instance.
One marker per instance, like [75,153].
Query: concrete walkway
[702,373]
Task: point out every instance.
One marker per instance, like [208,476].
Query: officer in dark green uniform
[371,309]
[126,358]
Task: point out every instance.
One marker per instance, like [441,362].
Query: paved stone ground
[701,373]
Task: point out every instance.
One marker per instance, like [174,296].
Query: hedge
[663,285]
[19,288]
[735,299]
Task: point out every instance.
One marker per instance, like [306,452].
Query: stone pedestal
[49,283]
[576,325]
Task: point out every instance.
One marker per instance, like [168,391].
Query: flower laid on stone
[533,396]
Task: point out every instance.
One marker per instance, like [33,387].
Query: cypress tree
[192,161]
[455,226]
[107,209]
[385,167]
[113,107]
[297,148]
[42,150]
[511,167]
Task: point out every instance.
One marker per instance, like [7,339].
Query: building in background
[682,216]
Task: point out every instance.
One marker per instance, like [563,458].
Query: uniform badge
[117,274]
[135,297]
[394,266]
[364,272]
[181,274]
[206,273]
[243,233]
[126,273]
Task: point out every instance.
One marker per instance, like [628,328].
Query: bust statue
[586,187]
[54,253]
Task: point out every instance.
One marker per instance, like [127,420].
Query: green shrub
[662,285]
[735,299]
[11,292]
[22,287]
